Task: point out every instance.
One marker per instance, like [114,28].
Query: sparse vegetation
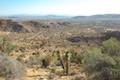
[53,50]
[101,64]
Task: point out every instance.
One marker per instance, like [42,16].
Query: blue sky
[59,7]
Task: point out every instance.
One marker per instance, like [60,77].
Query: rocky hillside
[11,26]
[38,25]
[30,26]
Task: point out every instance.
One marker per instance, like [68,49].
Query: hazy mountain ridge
[37,17]
[25,17]
[100,16]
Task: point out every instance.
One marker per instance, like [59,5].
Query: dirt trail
[40,74]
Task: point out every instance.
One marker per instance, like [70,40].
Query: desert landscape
[75,48]
[59,40]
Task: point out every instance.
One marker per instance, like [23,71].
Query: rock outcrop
[11,26]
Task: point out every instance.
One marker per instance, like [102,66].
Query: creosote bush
[10,69]
[40,59]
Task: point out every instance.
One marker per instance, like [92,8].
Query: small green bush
[103,63]
[6,46]
[111,46]
[94,60]
[99,65]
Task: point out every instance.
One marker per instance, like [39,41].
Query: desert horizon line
[25,14]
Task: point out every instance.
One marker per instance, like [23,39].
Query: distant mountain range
[33,17]
[101,16]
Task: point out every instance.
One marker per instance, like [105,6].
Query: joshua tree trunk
[66,63]
[61,60]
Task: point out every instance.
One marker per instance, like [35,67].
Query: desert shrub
[40,59]
[94,60]
[107,74]
[9,68]
[46,59]
[100,66]
[103,63]
[6,46]
[111,46]
[117,59]
[33,61]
